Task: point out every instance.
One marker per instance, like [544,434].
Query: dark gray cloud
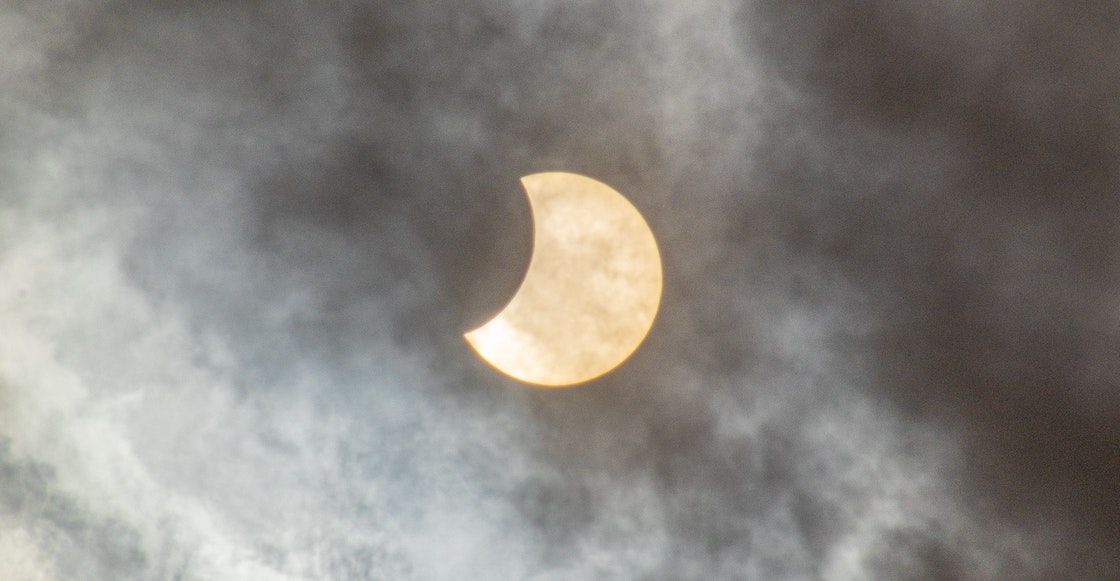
[1002,270]
[242,242]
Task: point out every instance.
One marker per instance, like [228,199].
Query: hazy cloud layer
[239,243]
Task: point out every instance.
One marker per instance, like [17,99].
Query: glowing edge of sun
[590,294]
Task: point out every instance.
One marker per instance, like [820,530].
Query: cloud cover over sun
[240,243]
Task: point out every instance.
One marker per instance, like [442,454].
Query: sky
[240,243]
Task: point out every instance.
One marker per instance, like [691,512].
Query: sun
[590,294]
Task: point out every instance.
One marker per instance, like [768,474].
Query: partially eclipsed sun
[591,291]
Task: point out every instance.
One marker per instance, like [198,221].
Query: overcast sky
[240,243]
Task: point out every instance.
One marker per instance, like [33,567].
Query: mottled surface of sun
[590,293]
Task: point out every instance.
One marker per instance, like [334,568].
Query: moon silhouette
[591,291]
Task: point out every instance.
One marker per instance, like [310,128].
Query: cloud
[240,244]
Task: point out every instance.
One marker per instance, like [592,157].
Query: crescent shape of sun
[590,293]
